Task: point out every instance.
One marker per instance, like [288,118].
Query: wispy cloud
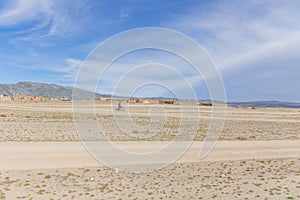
[245,32]
[40,19]
[141,69]
[124,13]
[71,68]
[246,39]
[18,11]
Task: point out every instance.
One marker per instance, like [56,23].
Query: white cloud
[133,71]
[19,11]
[124,13]
[70,71]
[245,32]
[42,18]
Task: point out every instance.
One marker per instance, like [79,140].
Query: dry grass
[251,179]
[48,122]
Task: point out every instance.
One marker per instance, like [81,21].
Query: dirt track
[45,155]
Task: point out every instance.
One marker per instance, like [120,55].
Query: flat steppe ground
[246,177]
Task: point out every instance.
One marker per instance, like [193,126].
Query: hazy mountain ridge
[40,89]
[263,104]
[57,91]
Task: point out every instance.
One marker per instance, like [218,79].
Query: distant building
[206,104]
[5,98]
[18,97]
[38,99]
[151,101]
[166,101]
[134,100]
[100,99]
[65,99]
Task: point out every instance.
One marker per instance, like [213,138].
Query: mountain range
[265,104]
[57,91]
[40,89]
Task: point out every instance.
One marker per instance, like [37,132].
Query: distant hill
[263,104]
[41,89]
[57,91]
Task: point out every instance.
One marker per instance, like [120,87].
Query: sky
[254,44]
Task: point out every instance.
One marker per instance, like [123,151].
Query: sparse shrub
[41,192]
[2,195]
[47,176]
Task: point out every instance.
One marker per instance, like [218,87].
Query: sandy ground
[51,155]
[51,122]
[257,156]
[245,179]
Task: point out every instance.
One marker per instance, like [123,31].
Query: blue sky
[254,44]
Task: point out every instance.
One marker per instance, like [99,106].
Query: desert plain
[257,155]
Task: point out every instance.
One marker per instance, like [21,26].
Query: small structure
[54,99]
[151,101]
[134,100]
[5,98]
[101,99]
[38,99]
[206,104]
[18,97]
[65,99]
[166,102]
